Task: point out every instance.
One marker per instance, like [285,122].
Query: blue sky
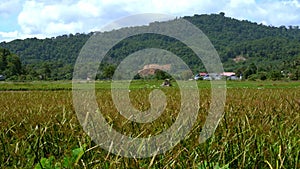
[42,18]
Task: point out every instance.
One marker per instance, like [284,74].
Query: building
[227,74]
[216,76]
[2,77]
[230,76]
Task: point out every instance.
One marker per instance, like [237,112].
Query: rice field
[259,129]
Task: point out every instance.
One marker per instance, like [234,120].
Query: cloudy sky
[43,18]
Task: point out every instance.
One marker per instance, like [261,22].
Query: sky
[22,19]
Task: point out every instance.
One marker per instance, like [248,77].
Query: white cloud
[9,7]
[283,13]
[170,7]
[241,3]
[52,19]
[276,13]
[9,34]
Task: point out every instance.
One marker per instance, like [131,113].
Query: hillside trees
[269,48]
[10,64]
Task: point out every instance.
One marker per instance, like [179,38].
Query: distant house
[216,76]
[233,78]
[152,68]
[2,77]
[202,74]
[206,76]
[230,75]
[227,74]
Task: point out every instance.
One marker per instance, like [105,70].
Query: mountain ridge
[269,48]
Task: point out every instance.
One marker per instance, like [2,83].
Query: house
[216,76]
[227,74]
[197,77]
[233,78]
[206,76]
[2,77]
[200,75]
[230,75]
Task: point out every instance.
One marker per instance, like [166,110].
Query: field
[259,128]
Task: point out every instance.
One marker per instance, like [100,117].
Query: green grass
[259,129]
[138,84]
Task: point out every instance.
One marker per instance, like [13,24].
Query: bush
[253,77]
[263,75]
[275,75]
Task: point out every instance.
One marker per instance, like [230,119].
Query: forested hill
[244,47]
[50,58]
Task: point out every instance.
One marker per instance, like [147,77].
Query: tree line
[269,52]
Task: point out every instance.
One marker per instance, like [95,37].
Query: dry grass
[260,129]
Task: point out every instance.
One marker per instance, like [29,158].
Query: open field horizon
[137,84]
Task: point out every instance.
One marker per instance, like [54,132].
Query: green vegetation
[273,51]
[68,161]
[138,84]
[259,129]
[10,64]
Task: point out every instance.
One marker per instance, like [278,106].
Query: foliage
[10,64]
[67,162]
[259,128]
[50,58]
[275,75]
[252,69]
[161,75]
[269,48]
[206,165]
[106,71]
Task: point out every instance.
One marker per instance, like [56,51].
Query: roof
[202,73]
[227,74]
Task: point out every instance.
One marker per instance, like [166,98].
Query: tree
[46,71]
[265,46]
[137,76]
[275,75]
[10,64]
[108,71]
[252,69]
[186,75]
[161,75]
[295,75]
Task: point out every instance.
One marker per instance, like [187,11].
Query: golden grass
[259,129]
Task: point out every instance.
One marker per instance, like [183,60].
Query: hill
[253,49]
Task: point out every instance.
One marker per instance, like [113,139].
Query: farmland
[259,128]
